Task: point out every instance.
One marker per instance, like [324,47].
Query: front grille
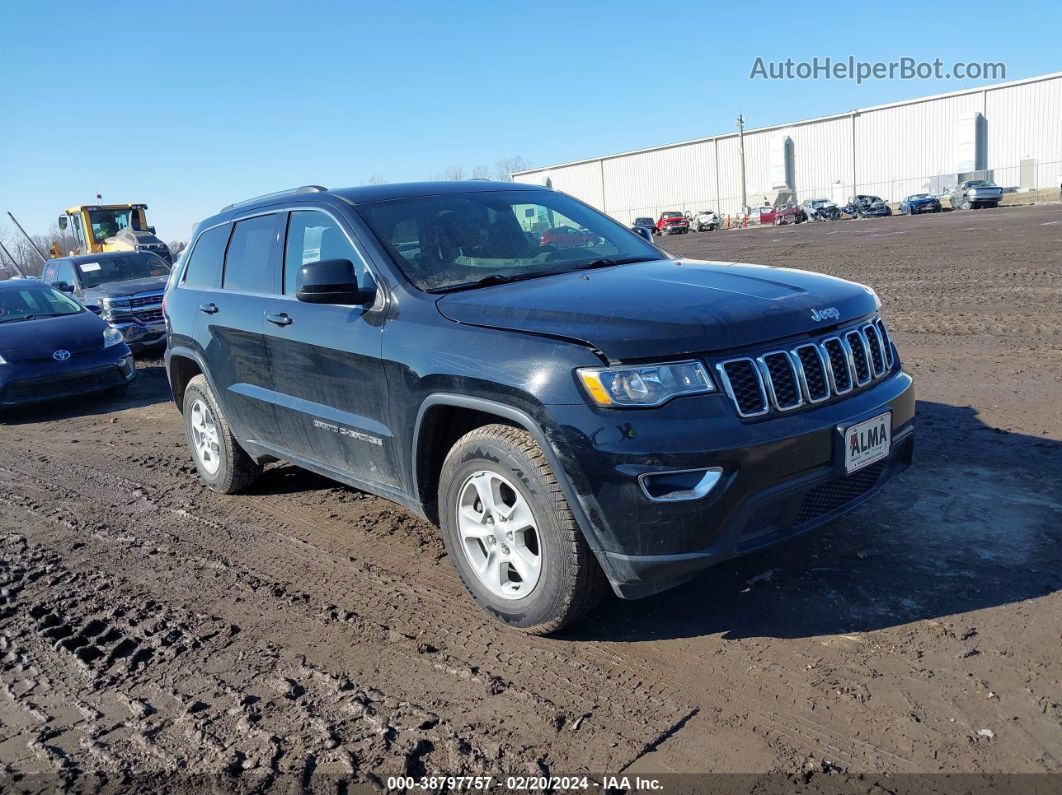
[40,388]
[745,387]
[811,364]
[837,493]
[783,380]
[857,345]
[149,316]
[885,341]
[877,355]
[839,367]
[146,299]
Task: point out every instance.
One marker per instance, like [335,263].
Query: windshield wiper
[492,279]
[606,262]
[32,317]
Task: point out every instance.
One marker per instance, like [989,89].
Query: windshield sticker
[89,266]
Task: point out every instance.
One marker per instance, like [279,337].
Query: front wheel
[966,205]
[222,463]
[511,535]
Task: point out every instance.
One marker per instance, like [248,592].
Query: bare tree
[453,174]
[482,172]
[375,179]
[506,167]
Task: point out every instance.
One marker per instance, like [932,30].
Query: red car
[785,214]
[568,237]
[672,223]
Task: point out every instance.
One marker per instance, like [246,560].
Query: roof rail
[278,194]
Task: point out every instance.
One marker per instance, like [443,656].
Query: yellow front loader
[91,228]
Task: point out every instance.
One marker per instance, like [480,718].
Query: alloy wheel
[499,535]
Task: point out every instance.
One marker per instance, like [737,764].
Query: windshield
[981,183]
[121,269]
[920,196]
[27,303]
[108,223]
[642,221]
[671,215]
[446,242]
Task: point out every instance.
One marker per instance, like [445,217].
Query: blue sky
[207,103]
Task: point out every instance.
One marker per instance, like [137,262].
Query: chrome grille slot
[812,371]
[877,352]
[780,379]
[886,342]
[145,299]
[743,383]
[840,366]
[857,347]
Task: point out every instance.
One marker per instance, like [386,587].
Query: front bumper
[140,335]
[781,477]
[26,384]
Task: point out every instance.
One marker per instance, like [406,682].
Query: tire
[235,470]
[568,582]
[966,205]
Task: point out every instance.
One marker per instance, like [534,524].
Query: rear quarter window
[204,263]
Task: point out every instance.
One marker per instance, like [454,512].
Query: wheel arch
[182,365]
[428,452]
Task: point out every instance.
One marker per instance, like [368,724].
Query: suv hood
[664,308]
[131,287]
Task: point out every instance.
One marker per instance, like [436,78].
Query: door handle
[279,320]
[210,309]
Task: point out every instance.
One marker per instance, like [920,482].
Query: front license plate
[867,442]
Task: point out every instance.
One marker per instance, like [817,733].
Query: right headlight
[645,384]
[112,336]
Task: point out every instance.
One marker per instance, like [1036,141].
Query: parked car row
[966,195]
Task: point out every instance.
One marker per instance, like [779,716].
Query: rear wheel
[511,535]
[222,463]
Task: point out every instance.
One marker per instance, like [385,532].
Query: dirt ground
[150,628]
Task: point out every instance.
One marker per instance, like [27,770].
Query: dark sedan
[53,347]
[920,203]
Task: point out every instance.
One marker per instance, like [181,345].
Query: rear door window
[204,264]
[247,262]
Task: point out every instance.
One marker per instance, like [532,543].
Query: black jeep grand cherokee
[571,414]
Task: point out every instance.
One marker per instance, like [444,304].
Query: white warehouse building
[1010,132]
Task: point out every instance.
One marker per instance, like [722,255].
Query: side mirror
[62,222]
[63,287]
[330,281]
[644,231]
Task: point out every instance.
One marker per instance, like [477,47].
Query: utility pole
[28,238]
[741,150]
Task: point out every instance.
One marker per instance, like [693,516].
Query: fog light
[680,485]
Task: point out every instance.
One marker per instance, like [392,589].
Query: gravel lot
[148,626]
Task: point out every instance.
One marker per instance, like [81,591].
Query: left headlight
[644,385]
[112,336]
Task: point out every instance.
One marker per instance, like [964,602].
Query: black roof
[408,190]
[366,194]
